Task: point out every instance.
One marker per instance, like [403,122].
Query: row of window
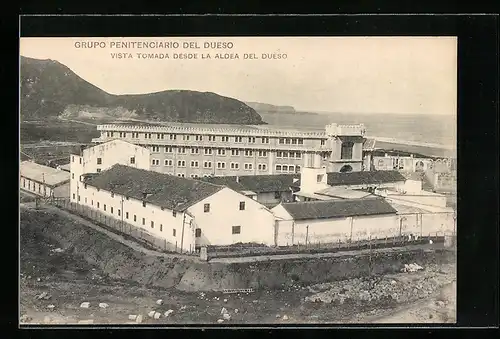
[207,151]
[288,168]
[187,137]
[295,155]
[290,141]
[206,164]
[34,187]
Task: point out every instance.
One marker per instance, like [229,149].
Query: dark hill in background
[263,107]
[49,89]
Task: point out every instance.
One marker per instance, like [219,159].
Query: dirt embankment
[121,262]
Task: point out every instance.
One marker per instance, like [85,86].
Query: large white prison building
[197,150]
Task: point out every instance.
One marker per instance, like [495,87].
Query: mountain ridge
[51,89]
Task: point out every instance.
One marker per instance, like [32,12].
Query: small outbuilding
[43,180]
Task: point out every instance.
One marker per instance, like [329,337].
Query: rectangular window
[221,165]
[235,152]
[152,224]
[281,141]
[155,162]
[285,154]
[221,152]
[182,175]
[198,232]
[105,207]
[111,210]
[294,141]
[98,204]
[155,149]
[73,158]
[346,150]
[173,137]
[279,154]
[143,204]
[238,139]
[242,205]
[173,232]
[161,227]
[297,169]
[278,168]
[248,153]
[174,214]
[198,137]
[235,165]
[208,151]
[126,215]
[39,191]
[72,175]
[284,168]
[248,166]
[194,163]
[181,150]
[207,164]
[85,199]
[99,161]
[206,208]
[287,141]
[169,149]
[265,140]
[144,221]
[181,163]
[277,195]
[236,229]
[132,160]
[135,217]
[195,150]
[168,162]
[262,153]
[80,161]
[98,170]
[119,212]
[251,140]
[225,138]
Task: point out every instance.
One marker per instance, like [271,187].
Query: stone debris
[169,312]
[138,320]
[44,296]
[278,316]
[38,279]
[369,290]
[440,303]
[225,300]
[430,242]
[223,311]
[411,268]
[220,321]
[103,305]
[57,250]
[132,317]
[157,315]
[88,321]
[236,310]
[226,316]
[183,307]
[24,318]
[285,317]
[85,304]
[159,302]
[51,306]
[151,314]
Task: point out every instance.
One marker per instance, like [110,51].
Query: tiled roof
[338,208]
[43,174]
[257,183]
[364,178]
[162,190]
[344,193]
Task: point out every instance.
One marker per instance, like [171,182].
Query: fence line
[121,226]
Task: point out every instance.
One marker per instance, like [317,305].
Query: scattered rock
[255,301]
[183,307]
[132,316]
[236,310]
[278,316]
[38,279]
[285,317]
[103,305]
[44,296]
[223,311]
[440,303]
[151,314]
[51,307]
[169,312]
[88,321]
[393,282]
[157,315]
[226,316]
[24,318]
[85,304]
[159,302]
[57,250]
[138,320]
[225,300]
[220,321]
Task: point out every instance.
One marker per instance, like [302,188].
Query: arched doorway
[419,166]
[346,168]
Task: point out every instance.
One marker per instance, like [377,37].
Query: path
[132,244]
[322,255]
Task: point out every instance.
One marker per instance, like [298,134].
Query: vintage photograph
[237,180]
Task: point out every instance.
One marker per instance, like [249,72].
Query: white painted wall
[309,179]
[61,191]
[164,221]
[216,226]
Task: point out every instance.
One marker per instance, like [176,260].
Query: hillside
[262,107]
[50,89]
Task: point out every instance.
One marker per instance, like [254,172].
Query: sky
[400,75]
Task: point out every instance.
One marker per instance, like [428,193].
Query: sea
[434,129]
